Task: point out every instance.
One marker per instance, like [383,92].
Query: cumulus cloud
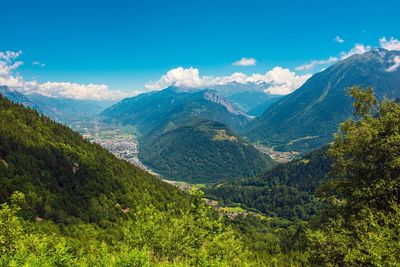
[392,44]
[9,56]
[313,63]
[278,80]
[74,90]
[244,61]
[9,77]
[284,81]
[179,77]
[396,64]
[357,49]
[338,39]
[8,64]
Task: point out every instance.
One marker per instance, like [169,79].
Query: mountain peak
[378,58]
[306,119]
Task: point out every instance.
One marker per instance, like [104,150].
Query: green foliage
[367,238]
[287,190]
[360,222]
[274,241]
[152,238]
[66,178]
[202,152]
[191,236]
[367,167]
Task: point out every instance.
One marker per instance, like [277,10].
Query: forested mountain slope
[202,152]
[65,177]
[287,190]
[306,119]
[189,135]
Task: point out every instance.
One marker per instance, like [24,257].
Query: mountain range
[305,119]
[206,135]
[190,135]
[152,111]
[63,110]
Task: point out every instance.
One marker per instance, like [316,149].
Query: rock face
[306,119]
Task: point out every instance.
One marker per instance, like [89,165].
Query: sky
[113,49]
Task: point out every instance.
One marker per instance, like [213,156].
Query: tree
[191,237]
[359,224]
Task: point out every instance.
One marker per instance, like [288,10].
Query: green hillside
[287,190]
[202,152]
[65,177]
[307,118]
[179,135]
[67,202]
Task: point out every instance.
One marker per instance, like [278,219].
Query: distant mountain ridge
[67,110]
[59,109]
[306,119]
[152,111]
[20,98]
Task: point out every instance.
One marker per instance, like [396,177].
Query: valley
[279,156]
[199,133]
[120,141]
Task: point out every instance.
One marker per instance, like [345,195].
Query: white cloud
[244,61]
[9,56]
[392,44]
[8,64]
[179,77]
[37,63]
[73,90]
[8,77]
[338,39]
[357,49]
[284,81]
[314,63]
[278,80]
[396,64]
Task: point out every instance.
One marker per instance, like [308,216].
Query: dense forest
[204,152]
[355,223]
[65,177]
[358,206]
[287,190]
[58,189]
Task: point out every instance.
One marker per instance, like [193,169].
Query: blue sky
[124,44]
